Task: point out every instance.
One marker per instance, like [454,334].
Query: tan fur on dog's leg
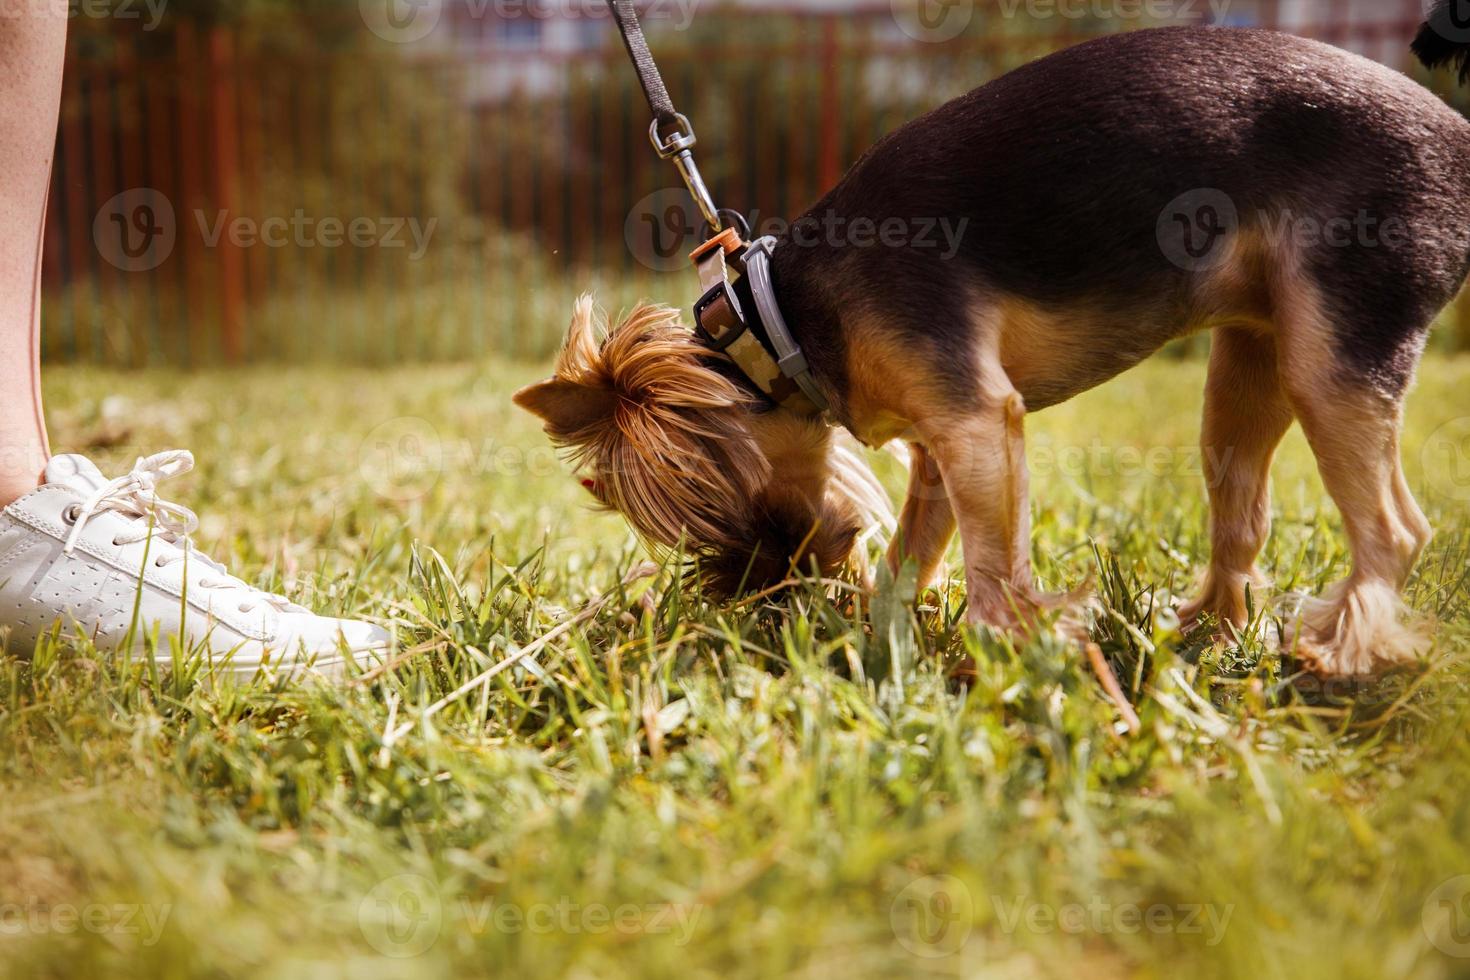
[1246,414]
[982,459]
[927,523]
[1361,625]
[973,457]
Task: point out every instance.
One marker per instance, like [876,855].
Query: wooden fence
[300,189]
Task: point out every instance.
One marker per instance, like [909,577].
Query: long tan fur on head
[669,442]
[660,430]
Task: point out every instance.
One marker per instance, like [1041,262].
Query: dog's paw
[1032,611]
[1354,630]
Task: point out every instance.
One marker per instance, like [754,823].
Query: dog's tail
[1445,38]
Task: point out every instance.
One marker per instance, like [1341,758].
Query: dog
[1114,196]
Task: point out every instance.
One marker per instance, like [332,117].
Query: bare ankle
[16,484]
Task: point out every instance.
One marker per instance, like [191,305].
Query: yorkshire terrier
[1308,207]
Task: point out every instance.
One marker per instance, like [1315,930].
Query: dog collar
[730,326]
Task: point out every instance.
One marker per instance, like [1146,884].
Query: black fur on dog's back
[1061,170]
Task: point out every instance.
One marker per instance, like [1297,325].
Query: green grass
[675,788]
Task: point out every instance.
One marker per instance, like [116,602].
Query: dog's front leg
[982,457]
[927,523]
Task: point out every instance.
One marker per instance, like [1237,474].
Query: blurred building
[522,45]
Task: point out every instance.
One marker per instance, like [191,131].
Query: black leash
[648,76]
[785,378]
[670,133]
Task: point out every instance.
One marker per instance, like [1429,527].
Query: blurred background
[373,181]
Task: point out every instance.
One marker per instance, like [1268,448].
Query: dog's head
[664,435]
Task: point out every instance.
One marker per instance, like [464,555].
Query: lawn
[793,784]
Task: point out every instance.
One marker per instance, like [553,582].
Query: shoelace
[136,495]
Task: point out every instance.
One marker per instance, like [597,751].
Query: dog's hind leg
[1246,414]
[927,523]
[1361,624]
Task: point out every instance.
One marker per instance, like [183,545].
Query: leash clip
[680,139]
[675,147]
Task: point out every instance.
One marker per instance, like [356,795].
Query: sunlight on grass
[677,788]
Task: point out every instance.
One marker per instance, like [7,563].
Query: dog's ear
[579,395]
[567,407]
[786,535]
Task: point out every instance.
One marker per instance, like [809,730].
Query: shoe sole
[325,667]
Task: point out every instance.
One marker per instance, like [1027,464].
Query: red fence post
[190,246]
[161,111]
[225,132]
[829,166]
[140,325]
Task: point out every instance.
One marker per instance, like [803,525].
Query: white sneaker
[76,549]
